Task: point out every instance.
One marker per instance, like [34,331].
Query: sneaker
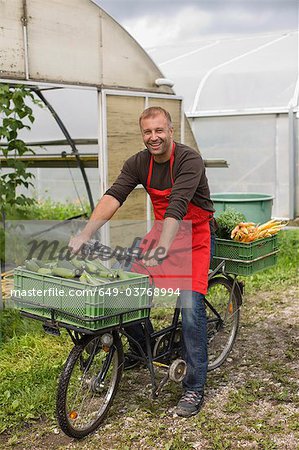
[189,404]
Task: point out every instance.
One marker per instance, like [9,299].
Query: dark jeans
[194,331]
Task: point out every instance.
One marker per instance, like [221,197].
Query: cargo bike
[96,324]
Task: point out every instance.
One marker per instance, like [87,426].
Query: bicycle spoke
[88,386]
[223,318]
[84,399]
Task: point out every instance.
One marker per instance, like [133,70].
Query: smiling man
[174,177]
[157,133]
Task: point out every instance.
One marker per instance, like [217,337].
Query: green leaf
[4,132]
[6,122]
[15,113]
[12,135]
[5,151]
[7,394]
[22,114]
[20,147]
[15,404]
[7,111]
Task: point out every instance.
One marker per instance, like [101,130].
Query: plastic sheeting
[237,94]
[71,41]
[232,73]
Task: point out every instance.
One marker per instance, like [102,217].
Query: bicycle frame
[77,335]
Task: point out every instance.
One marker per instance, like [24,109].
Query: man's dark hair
[153,111]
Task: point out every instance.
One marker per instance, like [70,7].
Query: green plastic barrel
[255,207]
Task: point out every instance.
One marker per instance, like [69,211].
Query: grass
[12,325]
[241,412]
[30,365]
[285,272]
[47,210]
[41,210]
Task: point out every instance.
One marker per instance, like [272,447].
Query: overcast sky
[153,22]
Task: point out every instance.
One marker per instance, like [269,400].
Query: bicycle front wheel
[223,314]
[88,384]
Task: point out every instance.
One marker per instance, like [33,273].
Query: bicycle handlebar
[94,248]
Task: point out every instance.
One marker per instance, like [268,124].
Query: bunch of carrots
[249,231]
[6,283]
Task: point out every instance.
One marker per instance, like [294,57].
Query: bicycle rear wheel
[88,384]
[223,315]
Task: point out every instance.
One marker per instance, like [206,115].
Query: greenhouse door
[120,138]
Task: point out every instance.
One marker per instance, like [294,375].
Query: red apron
[174,271]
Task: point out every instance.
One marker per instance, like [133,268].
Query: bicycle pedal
[160,364]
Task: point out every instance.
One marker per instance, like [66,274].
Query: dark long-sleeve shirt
[190,181]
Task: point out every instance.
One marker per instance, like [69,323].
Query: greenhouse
[93,82]
[239,94]
[241,98]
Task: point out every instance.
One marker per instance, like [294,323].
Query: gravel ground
[252,401]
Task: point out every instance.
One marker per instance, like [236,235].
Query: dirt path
[252,401]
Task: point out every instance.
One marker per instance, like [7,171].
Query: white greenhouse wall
[256,149]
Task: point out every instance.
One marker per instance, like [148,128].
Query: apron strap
[150,170]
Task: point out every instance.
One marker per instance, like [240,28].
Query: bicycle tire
[88,384]
[223,322]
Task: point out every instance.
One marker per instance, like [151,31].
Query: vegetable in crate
[78,263]
[64,273]
[100,267]
[88,279]
[44,271]
[31,265]
[226,221]
[249,231]
[90,267]
[65,264]
[94,273]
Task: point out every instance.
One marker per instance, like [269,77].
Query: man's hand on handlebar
[154,257]
[77,242]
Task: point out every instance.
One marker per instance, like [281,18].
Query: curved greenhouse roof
[259,71]
[73,42]
[94,80]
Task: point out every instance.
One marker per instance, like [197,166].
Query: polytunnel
[94,80]
[241,98]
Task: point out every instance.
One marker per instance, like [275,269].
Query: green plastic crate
[243,258]
[85,301]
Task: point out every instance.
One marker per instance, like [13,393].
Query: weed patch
[29,366]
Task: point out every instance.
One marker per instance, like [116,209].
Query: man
[174,177]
